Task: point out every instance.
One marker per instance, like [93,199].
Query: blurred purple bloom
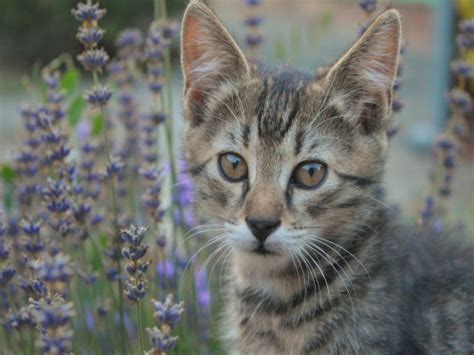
[6,275]
[53,269]
[462,68]
[253,39]
[129,37]
[253,2]
[253,21]
[467,26]
[204,295]
[83,130]
[368,6]
[460,99]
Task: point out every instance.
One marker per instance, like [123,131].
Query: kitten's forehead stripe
[299,138]
[246,134]
[279,104]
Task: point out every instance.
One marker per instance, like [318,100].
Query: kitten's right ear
[209,55]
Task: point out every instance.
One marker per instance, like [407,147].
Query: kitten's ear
[361,81]
[209,55]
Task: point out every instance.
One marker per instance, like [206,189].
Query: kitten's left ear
[361,81]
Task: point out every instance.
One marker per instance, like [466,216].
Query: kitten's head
[281,158]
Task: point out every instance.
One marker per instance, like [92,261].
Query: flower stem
[140,325]
[161,15]
[116,222]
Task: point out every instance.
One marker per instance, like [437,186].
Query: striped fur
[339,276]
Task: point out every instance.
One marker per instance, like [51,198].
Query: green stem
[96,250]
[116,223]
[139,325]
[169,126]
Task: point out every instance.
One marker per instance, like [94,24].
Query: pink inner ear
[193,51]
[386,55]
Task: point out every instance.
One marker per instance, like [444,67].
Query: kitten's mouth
[262,250]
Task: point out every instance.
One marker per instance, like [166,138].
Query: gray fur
[341,275]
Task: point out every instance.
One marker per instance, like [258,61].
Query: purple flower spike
[31,228]
[253,2]
[88,12]
[167,312]
[90,36]
[130,37]
[254,21]
[93,59]
[460,99]
[462,68]
[98,95]
[467,26]
[6,275]
[368,6]
[253,39]
[162,343]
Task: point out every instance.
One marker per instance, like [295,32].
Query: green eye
[309,174]
[233,167]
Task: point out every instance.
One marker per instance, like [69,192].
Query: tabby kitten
[288,165]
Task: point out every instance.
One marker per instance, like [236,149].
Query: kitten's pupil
[234,161]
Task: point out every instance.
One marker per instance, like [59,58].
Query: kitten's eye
[233,167]
[309,174]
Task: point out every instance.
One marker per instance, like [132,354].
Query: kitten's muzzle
[262,228]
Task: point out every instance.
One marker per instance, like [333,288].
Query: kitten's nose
[262,228]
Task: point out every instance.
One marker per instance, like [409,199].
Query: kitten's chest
[265,335]
[291,332]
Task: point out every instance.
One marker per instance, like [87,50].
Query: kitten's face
[282,158]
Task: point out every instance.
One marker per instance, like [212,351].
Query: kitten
[288,166]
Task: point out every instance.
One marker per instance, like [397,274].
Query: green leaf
[70,81]
[76,108]
[8,174]
[95,256]
[98,124]
[104,240]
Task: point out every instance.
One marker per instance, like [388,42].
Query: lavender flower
[253,22]
[161,342]
[460,99]
[134,251]
[90,36]
[151,198]
[98,95]
[128,43]
[6,275]
[368,6]
[56,268]
[93,59]
[53,316]
[466,26]
[167,312]
[462,68]
[88,12]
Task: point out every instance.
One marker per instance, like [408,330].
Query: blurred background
[301,33]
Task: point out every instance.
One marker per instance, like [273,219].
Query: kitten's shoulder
[440,258]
